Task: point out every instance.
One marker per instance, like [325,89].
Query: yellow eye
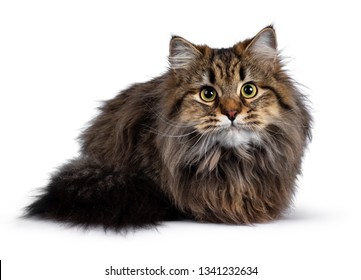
[208,94]
[249,90]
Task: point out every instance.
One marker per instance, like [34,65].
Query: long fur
[83,193]
[157,152]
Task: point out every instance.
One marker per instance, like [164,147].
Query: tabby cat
[218,138]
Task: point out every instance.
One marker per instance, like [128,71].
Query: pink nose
[231,114]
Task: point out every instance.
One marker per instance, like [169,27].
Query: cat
[218,138]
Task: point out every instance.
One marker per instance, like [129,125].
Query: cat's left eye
[249,90]
[208,94]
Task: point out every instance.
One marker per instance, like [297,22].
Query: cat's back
[115,131]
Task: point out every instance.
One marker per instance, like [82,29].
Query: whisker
[165,119]
[160,133]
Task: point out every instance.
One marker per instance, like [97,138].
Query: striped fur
[232,160]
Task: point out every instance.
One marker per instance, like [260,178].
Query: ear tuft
[264,45]
[181,53]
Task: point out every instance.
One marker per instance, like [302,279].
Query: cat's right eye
[208,94]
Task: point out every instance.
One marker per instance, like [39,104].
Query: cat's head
[233,96]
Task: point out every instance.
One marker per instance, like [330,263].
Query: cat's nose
[230,108]
[231,114]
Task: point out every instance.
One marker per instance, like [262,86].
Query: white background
[58,59]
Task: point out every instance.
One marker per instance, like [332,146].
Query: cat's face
[229,95]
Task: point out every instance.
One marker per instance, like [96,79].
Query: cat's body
[218,138]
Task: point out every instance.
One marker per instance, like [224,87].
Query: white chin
[231,138]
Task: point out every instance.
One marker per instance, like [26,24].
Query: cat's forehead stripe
[242,74]
[211,76]
[226,63]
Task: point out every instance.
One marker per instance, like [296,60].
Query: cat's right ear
[182,53]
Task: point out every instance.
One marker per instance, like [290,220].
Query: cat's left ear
[264,46]
[182,53]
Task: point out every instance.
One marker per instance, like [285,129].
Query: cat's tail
[83,193]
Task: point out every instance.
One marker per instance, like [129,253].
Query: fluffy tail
[82,193]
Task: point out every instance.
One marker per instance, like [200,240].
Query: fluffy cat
[218,138]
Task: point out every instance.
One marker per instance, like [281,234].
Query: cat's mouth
[236,135]
[235,127]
